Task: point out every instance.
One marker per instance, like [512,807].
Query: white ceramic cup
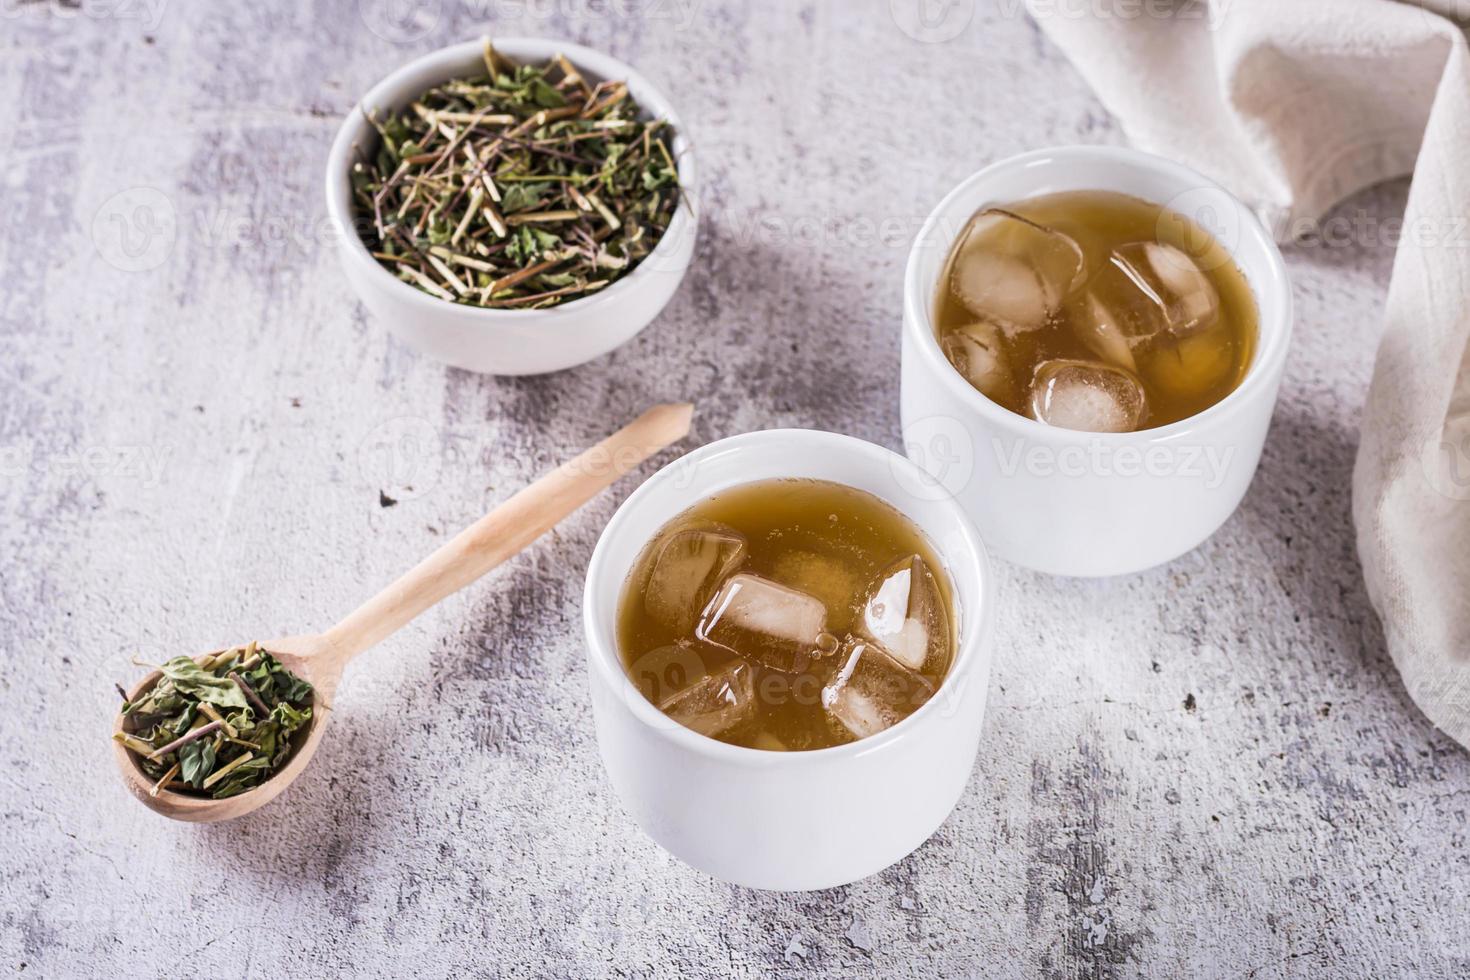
[1081,503]
[509,341]
[789,820]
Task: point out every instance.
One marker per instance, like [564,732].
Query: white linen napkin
[1294,105]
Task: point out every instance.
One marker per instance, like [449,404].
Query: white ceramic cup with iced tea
[1082,503]
[790,820]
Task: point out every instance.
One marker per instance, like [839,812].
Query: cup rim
[969,655]
[392,87]
[1273,340]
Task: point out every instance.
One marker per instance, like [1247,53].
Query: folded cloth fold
[1294,106]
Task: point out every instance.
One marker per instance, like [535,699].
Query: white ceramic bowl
[789,820]
[509,341]
[1081,503]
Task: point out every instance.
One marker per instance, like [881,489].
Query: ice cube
[1155,288]
[767,622]
[1086,395]
[666,670]
[905,614]
[872,691]
[1014,271]
[1190,367]
[765,740]
[822,577]
[717,702]
[978,352]
[1095,325]
[688,568]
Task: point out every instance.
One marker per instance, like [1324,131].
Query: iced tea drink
[1094,310]
[787,615]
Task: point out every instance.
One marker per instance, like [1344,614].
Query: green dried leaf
[524,196]
[196,762]
[181,722]
[545,96]
[289,718]
[194,681]
[247,775]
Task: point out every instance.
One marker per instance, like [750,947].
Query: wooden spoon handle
[508,528]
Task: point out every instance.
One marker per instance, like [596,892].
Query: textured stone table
[1210,769]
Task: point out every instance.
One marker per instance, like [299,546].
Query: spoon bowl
[308,657]
[320,658]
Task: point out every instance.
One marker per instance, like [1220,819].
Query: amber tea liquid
[787,615]
[1095,310]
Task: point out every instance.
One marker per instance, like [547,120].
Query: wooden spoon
[500,534]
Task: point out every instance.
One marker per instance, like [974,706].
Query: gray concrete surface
[1207,770]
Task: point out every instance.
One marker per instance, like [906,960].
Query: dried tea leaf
[190,679]
[196,761]
[169,717]
[520,187]
[245,776]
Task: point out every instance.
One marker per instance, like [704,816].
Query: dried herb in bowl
[219,726]
[521,188]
